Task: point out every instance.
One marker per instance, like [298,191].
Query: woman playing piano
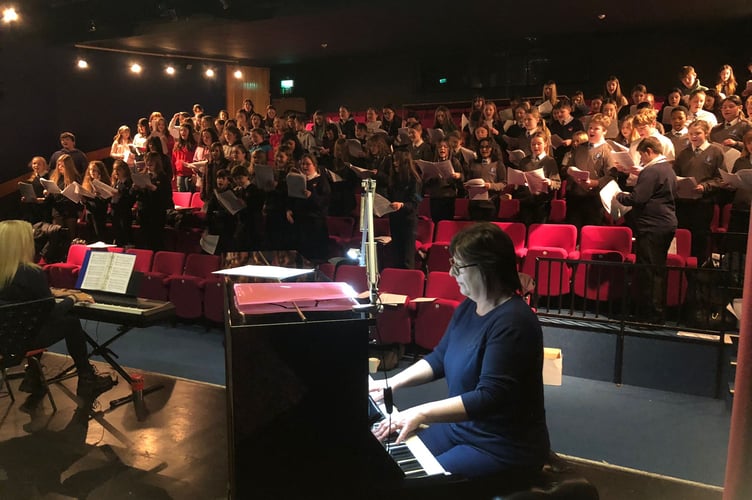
[493,420]
[20,281]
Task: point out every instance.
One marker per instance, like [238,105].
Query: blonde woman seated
[21,280]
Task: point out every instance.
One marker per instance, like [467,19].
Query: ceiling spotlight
[136,68]
[92,26]
[170,69]
[238,74]
[601,16]
[82,64]
[324,45]
[209,73]
[10,15]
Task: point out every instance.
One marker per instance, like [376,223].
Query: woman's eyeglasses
[456,268]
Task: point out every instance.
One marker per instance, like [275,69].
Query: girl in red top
[182,153]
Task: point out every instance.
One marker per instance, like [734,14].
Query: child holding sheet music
[490,176]
[219,220]
[418,148]
[120,146]
[535,203]
[35,209]
[250,219]
[65,212]
[183,152]
[443,190]
[594,157]
[731,131]
[308,214]
[278,230]
[404,193]
[96,208]
[154,201]
[379,162]
[694,208]
[122,204]
[562,129]
[739,222]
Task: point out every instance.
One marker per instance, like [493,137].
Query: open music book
[229,201]
[535,180]
[296,185]
[435,169]
[106,271]
[685,188]
[577,174]
[264,177]
[740,180]
[476,189]
[381,206]
[608,200]
[27,192]
[141,180]
[104,191]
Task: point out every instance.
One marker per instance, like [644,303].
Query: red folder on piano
[265,298]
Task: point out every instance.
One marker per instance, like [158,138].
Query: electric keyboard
[124,310]
[143,312]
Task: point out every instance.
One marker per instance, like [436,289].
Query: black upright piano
[298,405]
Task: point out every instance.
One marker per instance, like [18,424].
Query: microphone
[388,400]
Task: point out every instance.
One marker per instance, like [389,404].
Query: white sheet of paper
[615,146]
[685,188]
[381,206]
[269,272]
[50,186]
[536,181]
[362,173]
[516,177]
[435,169]
[141,180]
[608,199]
[104,190]
[578,174]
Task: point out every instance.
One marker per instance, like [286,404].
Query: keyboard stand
[108,355]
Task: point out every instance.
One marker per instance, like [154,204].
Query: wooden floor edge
[587,461]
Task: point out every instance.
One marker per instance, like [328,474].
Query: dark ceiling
[273,32]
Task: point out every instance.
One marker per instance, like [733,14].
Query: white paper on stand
[268,272]
[608,199]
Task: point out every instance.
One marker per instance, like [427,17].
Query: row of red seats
[419,322]
[186,280]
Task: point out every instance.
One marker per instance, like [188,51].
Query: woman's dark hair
[297,153]
[489,248]
[155,159]
[154,144]
[492,144]
[236,132]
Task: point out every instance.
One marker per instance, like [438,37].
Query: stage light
[209,73]
[10,15]
[82,63]
[238,74]
[136,68]
[169,69]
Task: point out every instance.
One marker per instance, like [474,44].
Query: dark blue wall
[42,94]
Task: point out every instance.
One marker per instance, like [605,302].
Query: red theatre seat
[65,274]
[186,290]
[432,318]
[165,264]
[394,324]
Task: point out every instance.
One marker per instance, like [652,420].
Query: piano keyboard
[139,311]
[412,456]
